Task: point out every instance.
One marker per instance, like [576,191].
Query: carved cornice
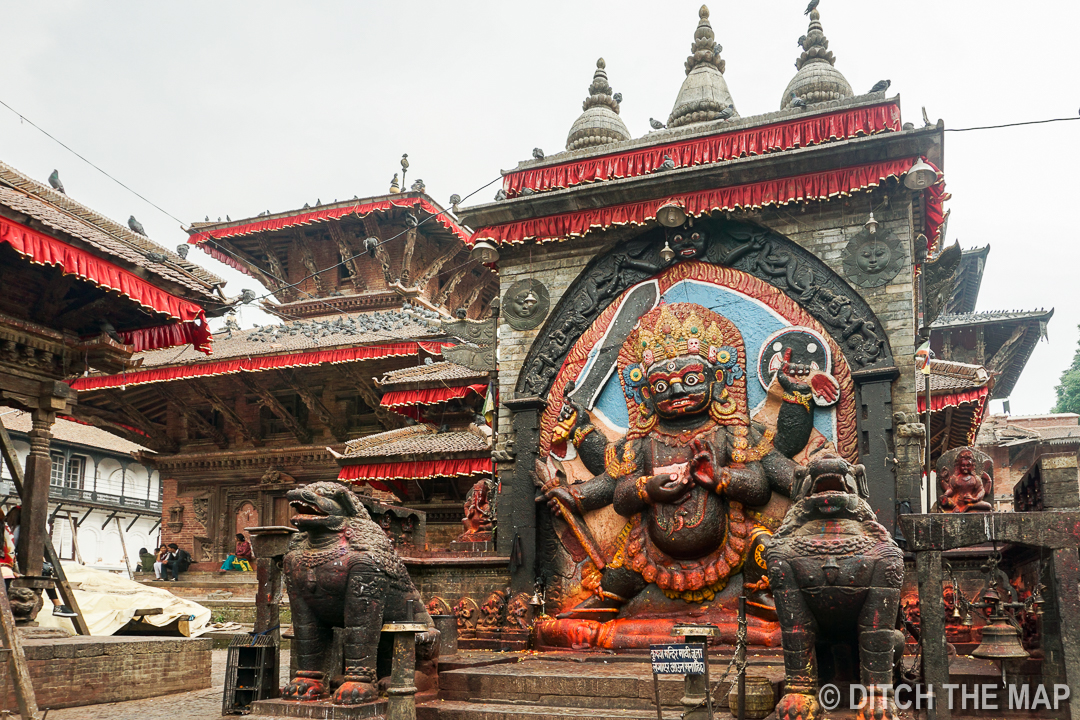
[256,460]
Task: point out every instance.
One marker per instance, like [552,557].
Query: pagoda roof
[436,374]
[968,281]
[1009,338]
[421,441]
[58,211]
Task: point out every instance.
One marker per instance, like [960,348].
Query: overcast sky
[215,108]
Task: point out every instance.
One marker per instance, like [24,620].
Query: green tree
[1068,390]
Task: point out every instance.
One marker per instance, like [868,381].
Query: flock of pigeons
[390,322]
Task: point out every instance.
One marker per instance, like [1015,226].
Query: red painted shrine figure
[965,480]
[689,465]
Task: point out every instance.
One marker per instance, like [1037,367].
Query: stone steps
[455,710]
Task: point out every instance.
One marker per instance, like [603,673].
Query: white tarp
[108,601]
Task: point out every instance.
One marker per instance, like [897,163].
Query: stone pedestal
[318,710]
[401,701]
[448,637]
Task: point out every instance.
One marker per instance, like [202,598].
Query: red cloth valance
[245,364]
[786,135]
[431,396]
[817,186]
[321,214]
[391,477]
[940,401]
[935,211]
[46,250]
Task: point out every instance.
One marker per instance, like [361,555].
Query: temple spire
[600,123]
[704,93]
[817,79]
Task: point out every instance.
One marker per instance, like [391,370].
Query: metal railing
[80,495]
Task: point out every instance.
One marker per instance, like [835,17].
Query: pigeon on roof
[182,250]
[136,226]
[656,124]
[54,181]
[881,86]
[538,154]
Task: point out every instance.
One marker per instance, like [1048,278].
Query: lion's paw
[307,686]
[877,707]
[796,706]
[353,692]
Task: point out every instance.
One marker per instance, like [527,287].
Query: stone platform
[77,671]
[315,710]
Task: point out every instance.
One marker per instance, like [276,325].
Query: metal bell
[666,254]
[1000,641]
[920,176]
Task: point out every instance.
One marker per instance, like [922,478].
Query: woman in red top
[243,552]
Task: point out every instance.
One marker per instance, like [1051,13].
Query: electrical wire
[1016,124]
[49,135]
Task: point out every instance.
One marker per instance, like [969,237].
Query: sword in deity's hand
[550,474]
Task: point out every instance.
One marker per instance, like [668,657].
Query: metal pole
[741,663]
[708,685]
[929,501]
[656,691]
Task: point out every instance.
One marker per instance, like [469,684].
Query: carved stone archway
[757,251]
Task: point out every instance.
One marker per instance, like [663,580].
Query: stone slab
[79,670]
[317,710]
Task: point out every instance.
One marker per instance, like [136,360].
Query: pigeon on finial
[881,86]
[182,251]
[797,101]
[717,49]
[370,244]
[802,39]
[136,226]
[809,8]
[726,112]
[538,154]
[668,164]
[656,124]
[54,180]
[500,195]
[617,97]
[394,187]
[410,220]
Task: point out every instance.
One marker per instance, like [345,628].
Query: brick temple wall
[77,671]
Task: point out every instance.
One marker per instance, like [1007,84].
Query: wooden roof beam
[192,417]
[371,227]
[227,412]
[271,403]
[158,432]
[447,289]
[308,259]
[366,387]
[433,268]
[277,268]
[345,250]
[314,403]
[155,438]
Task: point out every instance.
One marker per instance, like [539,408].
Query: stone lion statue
[341,572]
[836,575]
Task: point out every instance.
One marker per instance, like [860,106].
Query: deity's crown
[678,330]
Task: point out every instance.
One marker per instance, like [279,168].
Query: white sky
[215,108]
